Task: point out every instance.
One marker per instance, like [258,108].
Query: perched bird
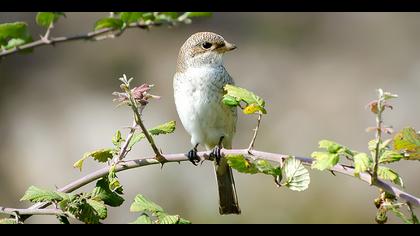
[198,88]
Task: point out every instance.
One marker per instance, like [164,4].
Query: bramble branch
[145,161]
[93,35]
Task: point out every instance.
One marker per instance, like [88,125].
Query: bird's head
[203,49]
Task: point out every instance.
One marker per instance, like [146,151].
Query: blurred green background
[315,70]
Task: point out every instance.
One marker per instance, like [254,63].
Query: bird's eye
[206,45]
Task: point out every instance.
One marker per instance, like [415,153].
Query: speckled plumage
[198,89]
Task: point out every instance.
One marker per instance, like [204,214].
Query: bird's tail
[228,200]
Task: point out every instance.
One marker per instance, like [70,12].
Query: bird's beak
[229,46]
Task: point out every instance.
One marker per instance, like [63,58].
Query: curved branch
[13,211]
[87,36]
[130,164]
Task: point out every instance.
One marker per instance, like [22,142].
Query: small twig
[124,149]
[414,218]
[378,136]
[139,122]
[29,211]
[87,36]
[251,145]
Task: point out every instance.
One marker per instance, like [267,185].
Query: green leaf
[168,16]
[199,14]
[324,160]
[114,183]
[265,167]
[230,101]
[332,147]
[13,33]
[167,128]
[45,19]
[362,163]
[99,208]
[241,94]
[102,192]
[241,164]
[251,109]
[183,221]
[130,17]
[100,155]
[143,204]
[112,23]
[297,176]
[117,140]
[389,156]
[35,194]
[168,219]
[8,221]
[408,142]
[14,43]
[143,219]
[386,173]
[388,95]
[63,220]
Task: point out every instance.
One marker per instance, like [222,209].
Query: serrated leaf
[408,141]
[199,14]
[362,162]
[332,147]
[388,95]
[241,164]
[167,128]
[130,17]
[183,221]
[12,43]
[45,19]
[143,204]
[143,219]
[253,108]
[168,16]
[102,192]
[386,173]
[168,219]
[265,167]
[296,175]
[113,182]
[86,213]
[99,208]
[241,94]
[100,155]
[230,101]
[389,156]
[112,23]
[117,139]
[8,221]
[324,160]
[63,220]
[12,33]
[35,194]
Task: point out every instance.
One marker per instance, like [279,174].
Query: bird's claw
[193,157]
[216,154]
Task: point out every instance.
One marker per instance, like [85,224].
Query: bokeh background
[315,70]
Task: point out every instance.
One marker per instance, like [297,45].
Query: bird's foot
[193,157]
[216,154]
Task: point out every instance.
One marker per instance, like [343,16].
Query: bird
[198,85]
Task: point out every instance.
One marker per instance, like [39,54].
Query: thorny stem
[378,137]
[123,152]
[145,161]
[13,211]
[93,35]
[251,145]
[139,122]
